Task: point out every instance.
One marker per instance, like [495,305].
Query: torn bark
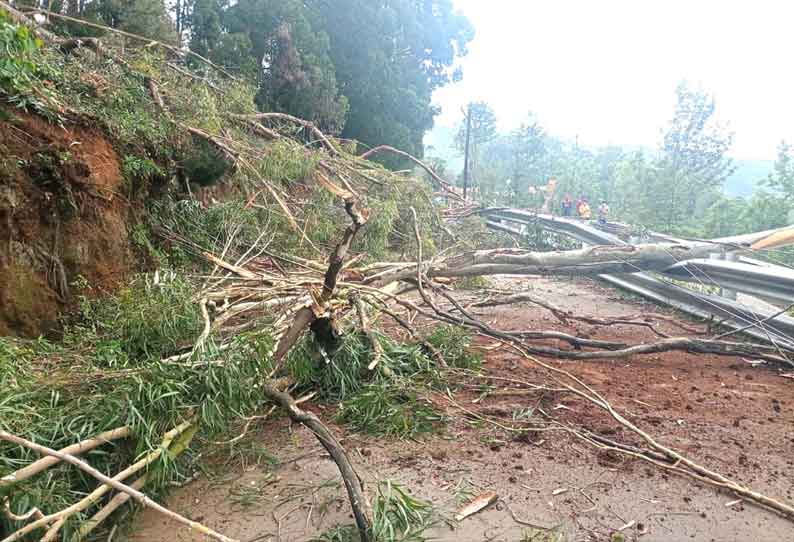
[307,315]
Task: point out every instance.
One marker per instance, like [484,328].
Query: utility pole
[466,158]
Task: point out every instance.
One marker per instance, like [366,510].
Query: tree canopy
[362,69]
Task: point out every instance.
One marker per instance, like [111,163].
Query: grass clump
[190,229]
[397,516]
[455,343]
[552,535]
[386,401]
[286,162]
[116,378]
[144,320]
[389,409]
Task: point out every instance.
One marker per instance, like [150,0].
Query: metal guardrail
[760,279]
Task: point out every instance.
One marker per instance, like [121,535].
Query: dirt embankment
[63,219]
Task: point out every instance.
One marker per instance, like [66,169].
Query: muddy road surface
[723,412]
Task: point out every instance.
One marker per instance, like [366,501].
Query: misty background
[606,73]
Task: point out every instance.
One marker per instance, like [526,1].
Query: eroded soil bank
[723,412]
[64,223]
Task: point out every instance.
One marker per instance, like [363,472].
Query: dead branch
[75,449]
[258,128]
[301,122]
[442,184]
[230,154]
[692,345]
[655,453]
[241,271]
[115,484]
[355,490]
[563,316]
[431,349]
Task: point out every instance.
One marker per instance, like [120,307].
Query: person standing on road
[567,206]
[583,208]
[603,212]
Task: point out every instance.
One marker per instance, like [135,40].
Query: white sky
[607,69]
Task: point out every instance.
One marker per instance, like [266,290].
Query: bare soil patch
[62,216]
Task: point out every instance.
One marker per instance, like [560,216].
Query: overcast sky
[607,70]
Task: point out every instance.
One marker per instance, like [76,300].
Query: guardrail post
[730,257]
[725,292]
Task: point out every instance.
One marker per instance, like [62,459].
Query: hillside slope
[64,216]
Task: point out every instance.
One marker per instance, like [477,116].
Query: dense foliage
[363,69]
[20,64]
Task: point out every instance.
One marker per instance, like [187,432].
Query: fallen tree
[590,261]
[321,291]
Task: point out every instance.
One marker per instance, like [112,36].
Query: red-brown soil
[62,216]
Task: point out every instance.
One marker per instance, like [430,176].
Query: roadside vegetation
[273,260]
[128,361]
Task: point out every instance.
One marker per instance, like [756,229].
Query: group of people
[583,209]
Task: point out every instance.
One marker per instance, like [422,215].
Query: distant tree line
[675,188]
[360,69]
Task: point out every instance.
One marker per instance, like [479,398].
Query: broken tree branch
[355,490]
[295,120]
[115,484]
[563,316]
[431,349]
[442,184]
[149,41]
[75,449]
[590,261]
[308,314]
